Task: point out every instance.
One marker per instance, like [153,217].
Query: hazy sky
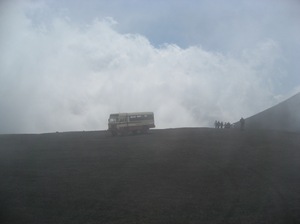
[66,65]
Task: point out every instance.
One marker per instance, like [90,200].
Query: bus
[125,123]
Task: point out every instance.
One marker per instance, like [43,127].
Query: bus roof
[129,114]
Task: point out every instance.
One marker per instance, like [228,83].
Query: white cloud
[59,76]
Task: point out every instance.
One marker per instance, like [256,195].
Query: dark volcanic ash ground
[191,175]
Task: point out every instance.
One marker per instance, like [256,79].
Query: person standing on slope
[242,124]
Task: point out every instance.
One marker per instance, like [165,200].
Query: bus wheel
[125,131]
[145,130]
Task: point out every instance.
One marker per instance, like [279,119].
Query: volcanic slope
[284,116]
[189,175]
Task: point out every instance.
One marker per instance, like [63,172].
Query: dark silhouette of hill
[284,116]
[191,175]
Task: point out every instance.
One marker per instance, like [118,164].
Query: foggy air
[67,65]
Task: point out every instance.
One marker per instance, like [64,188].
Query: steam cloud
[59,76]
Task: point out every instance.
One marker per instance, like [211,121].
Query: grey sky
[65,65]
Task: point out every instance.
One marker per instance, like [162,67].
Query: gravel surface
[186,175]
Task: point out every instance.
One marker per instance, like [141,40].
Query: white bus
[124,123]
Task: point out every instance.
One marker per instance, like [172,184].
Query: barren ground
[191,175]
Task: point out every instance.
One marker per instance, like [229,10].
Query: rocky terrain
[284,116]
[187,175]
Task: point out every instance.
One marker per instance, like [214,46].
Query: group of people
[221,124]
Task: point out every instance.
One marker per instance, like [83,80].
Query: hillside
[191,175]
[284,116]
